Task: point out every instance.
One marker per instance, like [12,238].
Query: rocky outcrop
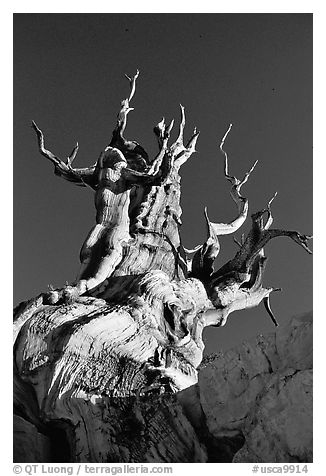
[260,394]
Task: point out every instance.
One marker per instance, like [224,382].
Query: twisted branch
[238,284]
[180,152]
[125,108]
[242,203]
[132,81]
[203,261]
[135,154]
[81,177]
[181,126]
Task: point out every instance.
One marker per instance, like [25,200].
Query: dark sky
[254,70]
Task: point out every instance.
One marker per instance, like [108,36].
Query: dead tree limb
[203,260]
[81,176]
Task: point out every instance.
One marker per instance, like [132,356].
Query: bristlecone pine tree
[98,363]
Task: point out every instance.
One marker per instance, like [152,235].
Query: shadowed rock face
[252,403]
[262,391]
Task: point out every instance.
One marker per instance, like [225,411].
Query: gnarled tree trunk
[101,365]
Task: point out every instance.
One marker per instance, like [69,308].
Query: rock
[263,391]
[279,427]
[30,445]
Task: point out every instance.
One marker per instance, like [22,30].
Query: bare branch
[246,176]
[204,258]
[169,128]
[164,134]
[46,153]
[297,237]
[236,290]
[242,203]
[260,235]
[122,117]
[253,246]
[180,152]
[271,200]
[229,289]
[159,130]
[182,125]
[191,146]
[233,226]
[190,149]
[249,299]
[258,217]
[237,184]
[177,147]
[226,164]
[255,283]
[132,81]
[81,177]
[268,308]
[230,297]
[72,155]
[125,109]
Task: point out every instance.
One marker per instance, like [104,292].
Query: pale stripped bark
[127,335]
